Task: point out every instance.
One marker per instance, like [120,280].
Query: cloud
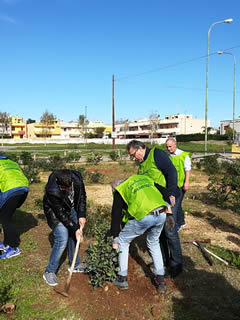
[8,19]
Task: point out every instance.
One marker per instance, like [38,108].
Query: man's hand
[82,222]
[170,223]
[115,246]
[186,186]
[78,233]
[172,200]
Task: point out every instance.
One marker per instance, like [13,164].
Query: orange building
[18,128]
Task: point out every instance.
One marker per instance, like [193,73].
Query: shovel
[68,282]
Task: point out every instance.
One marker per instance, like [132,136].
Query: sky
[60,56]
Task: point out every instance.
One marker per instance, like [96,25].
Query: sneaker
[50,278]
[10,253]
[3,247]
[121,282]
[80,268]
[160,284]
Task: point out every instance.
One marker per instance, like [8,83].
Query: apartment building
[42,130]
[225,124]
[18,127]
[156,128]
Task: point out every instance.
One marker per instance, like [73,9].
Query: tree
[229,133]
[5,121]
[154,120]
[47,119]
[99,132]
[82,123]
[29,120]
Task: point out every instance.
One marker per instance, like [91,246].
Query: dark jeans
[180,213]
[6,213]
[170,242]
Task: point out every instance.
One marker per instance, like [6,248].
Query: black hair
[64,177]
[135,144]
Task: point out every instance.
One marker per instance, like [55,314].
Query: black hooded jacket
[57,206]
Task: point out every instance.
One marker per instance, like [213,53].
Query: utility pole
[113,116]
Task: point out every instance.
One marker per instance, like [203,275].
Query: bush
[93,214]
[12,156]
[95,177]
[94,158]
[31,174]
[101,261]
[6,289]
[38,203]
[210,164]
[224,186]
[26,158]
[73,156]
[113,155]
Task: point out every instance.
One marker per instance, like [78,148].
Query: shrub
[210,164]
[95,177]
[114,155]
[94,158]
[6,289]
[101,259]
[73,156]
[31,174]
[26,158]
[95,213]
[38,203]
[12,156]
[224,186]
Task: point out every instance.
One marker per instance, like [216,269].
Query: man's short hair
[135,144]
[64,177]
[116,183]
[171,139]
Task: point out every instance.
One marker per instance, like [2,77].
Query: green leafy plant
[26,158]
[114,155]
[94,158]
[210,164]
[95,177]
[38,203]
[31,173]
[6,289]
[101,261]
[236,260]
[72,156]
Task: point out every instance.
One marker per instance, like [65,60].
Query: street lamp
[206,101]
[234,82]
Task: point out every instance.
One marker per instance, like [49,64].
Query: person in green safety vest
[13,193]
[182,162]
[156,164]
[144,205]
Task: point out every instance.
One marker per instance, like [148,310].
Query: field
[200,292]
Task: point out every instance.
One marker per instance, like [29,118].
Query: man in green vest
[182,163]
[144,209]
[13,193]
[156,164]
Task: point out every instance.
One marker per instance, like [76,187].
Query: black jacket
[57,206]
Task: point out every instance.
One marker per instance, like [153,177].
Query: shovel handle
[73,263]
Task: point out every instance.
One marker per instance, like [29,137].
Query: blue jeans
[62,238]
[133,229]
[170,242]
[180,213]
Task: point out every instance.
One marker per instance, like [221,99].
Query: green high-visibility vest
[140,195]
[11,176]
[149,168]
[178,162]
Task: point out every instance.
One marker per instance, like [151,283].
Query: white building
[171,125]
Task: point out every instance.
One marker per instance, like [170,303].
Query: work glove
[170,223]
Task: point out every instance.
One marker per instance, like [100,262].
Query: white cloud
[8,19]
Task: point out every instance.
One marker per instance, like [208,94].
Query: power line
[171,65]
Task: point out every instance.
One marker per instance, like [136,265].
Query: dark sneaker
[3,247]
[175,271]
[10,253]
[80,268]
[50,278]
[160,284]
[121,282]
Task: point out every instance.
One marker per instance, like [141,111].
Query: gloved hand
[170,223]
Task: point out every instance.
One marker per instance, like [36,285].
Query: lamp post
[206,101]
[234,85]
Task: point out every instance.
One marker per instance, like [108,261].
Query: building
[156,128]
[18,128]
[225,124]
[44,130]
